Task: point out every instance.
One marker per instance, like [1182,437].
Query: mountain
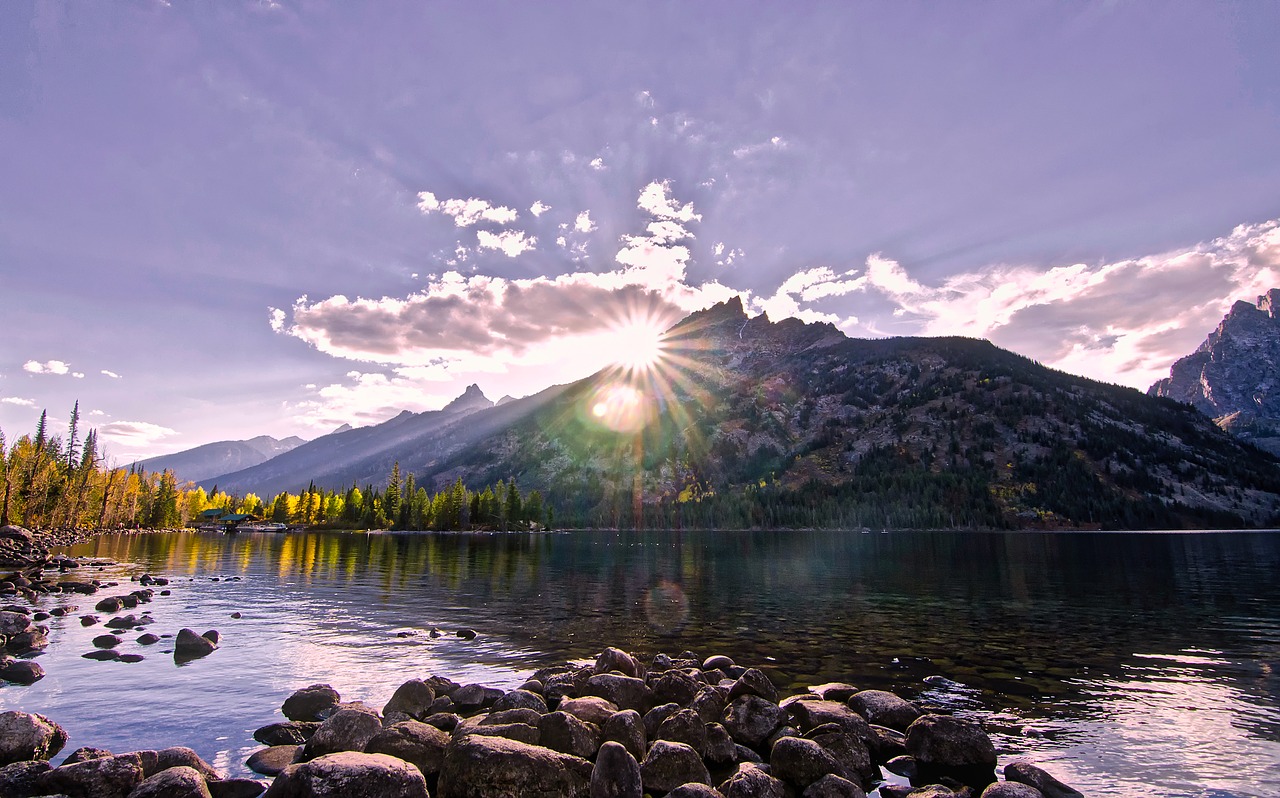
[1234,376]
[211,459]
[750,423]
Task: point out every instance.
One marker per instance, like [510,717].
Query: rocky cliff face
[1234,376]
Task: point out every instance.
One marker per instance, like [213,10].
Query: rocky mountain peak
[471,399]
[1234,376]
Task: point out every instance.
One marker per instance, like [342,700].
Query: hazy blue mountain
[212,459]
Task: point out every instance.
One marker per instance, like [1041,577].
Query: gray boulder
[801,762]
[668,765]
[695,790]
[19,779]
[344,730]
[624,692]
[754,682]
[1011,789]
[521,699]
[685,727]
[413,698]
[21,671]
[25,736]
[1027,773]
[752,782]
[495,767]
[883,708]
[613,659]
[592,709]
[176,756]
[272,761]
[943,745]
[627,728]
[175,782]
[13,623]
[419,744]
[832,786]
[290,733]
[751,719]
[350,774]
[188,646]
[310,703]
[562,732]
[109,777]
[616,773]
[237,788]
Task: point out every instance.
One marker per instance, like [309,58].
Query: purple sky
[219,220]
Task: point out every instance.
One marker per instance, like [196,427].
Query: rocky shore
[682,727]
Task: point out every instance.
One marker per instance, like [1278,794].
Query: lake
[1125,664]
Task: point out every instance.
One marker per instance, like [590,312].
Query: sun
[639,344]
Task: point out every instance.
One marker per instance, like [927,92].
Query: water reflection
[1125,659]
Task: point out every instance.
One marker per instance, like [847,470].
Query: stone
[751,719]
[563,732]
[273,760]
[883,708]
[943,745]
[102,654]
[710,702]
[33,639]
[654,718]
[147,639]
[525,716]
[717,662]
[616,773]
[344,730]
[85,753]
[521,732]
[521,699]
[350,774]
[109,604]
[413,698]
[417,743]
[832,786]
[801,762]
[694,790]
[444,721]
[309,703]
[833,691]
[614,659]
[19,779]
[189,646]
[625,692]
[21,671]
[88,620]
[106,641]
[1011,789]
[12,623]
[627,729]
[1027,773]
[131,658]
[25,736]
[108,777]
[720,747]
[674,687]
[852,753]
[668,765]
[812,714]
[178,756]
[752,782]
[289,733]
[684,726]
[490,767]
[237,788]
[754,682]
[592,709]
[175,782]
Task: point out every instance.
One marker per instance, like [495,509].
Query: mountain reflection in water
[1125,663]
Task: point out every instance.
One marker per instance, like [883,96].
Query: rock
[444,721]
[413,698]
[309,703]
[88,620]
[417,743]
[883,708]
[616,773]
[344,730]
[273,760]
[175,782]
[720,747]
[851,752]
[1011,789]
[21,671]
[106,641]
[710,702]
[752,782]
[887,743]
[945,745]
[19,779]
[188,646]
[147,639]
[237,788]
[488,767]
[474,696]
[613,659]
[213,636]
[176,756]
[904,766]
[25,736]
[131,658]
[33,639]
[717,662]
[832,786]
[350,774]
[674,687]
[123,622]
[685,727]
[694,790]
[627,729]
[109,777]
[525,716]
[801,762]
[833,691]
[290,733]
[751,719]
[521,699]
[110,604]
[467,634]
[654,718]
[754,682]
[85,753]
[625,692]
[1027,773]
[812,714]
[12,623]
[103,654]
[592,709]
[668,765]
[562,732]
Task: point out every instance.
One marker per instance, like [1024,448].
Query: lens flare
[621,407]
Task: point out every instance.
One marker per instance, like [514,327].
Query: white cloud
[510,242]
[135,433]
[48,367]
[111,374]
[466,212]
[538,208]
[597,164]
[368,398]
[655,198]
[583,223]
[807,287]
[276,318]
[774,144]
[17,400]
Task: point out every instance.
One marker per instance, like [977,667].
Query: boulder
[624,692]
[562,732]
[175,782]
[654,718]
[592,709]
[627,728]
[489,767]
[1011,789]
[851,752]
[751,719]
[695,790]
[310,703]
[106,641]
[883,708]
[754,682]
[176,756]
[752,782]
[720,747]
[188,646]
[525,716]
[812,714]
[616,773]
[12,623]
[710,702]
[800,762]
[419,744]
[34,639]
[833,691]
[413,698]
[668,765]
[521,699]
[717,662]
[613,659]
[350,774]
[832,786]
[943,745]
[290,733]
[108,777]
[674,687]
[85,753]
[25,736]
[19,779]
[237,788]
[344,730]
[684,726]
[272,761]
[21,671]
[1027,773]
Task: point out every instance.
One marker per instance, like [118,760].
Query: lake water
[1126,664]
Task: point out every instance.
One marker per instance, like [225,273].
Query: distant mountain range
[748,422]
[212,459]
[1234,376]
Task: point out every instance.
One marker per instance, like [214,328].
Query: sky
[223,220]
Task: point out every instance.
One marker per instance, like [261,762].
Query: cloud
[135,433]
[538,208]
[111,374]
[597,164]
[17,400]
[774,144]
[807,287]
[656,199]
[368,398]
[583,223]
[509,242]
[48,367]
[466,212]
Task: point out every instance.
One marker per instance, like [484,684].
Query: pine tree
[391,499]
